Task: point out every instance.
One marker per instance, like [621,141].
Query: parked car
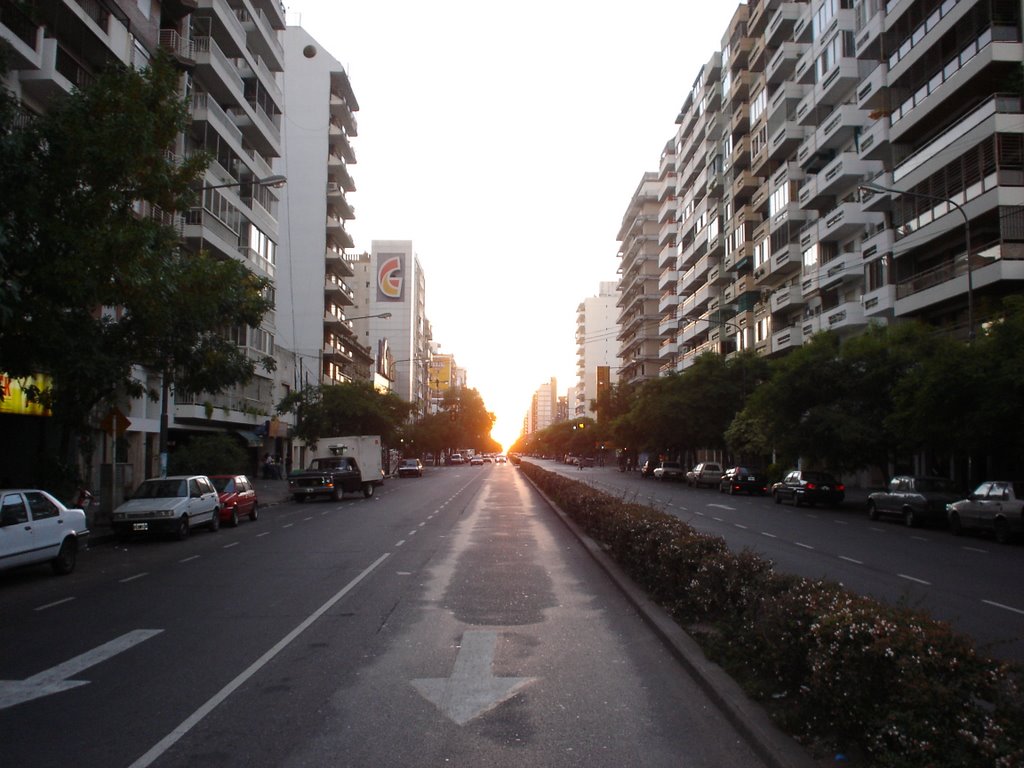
[237,498]
[995,505]
[743,480]
[802,486]
[456,458]
[706,473]
[36,528]
[173,505]
[647,468]
[476,461]
[669,470]
[916,500]
[410,468]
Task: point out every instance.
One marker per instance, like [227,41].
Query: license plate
[140,526]
[751,478]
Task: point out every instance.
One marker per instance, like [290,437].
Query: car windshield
[671,464]
[936,485]
[162,489]
[409,463]
[223,484]
[746,471]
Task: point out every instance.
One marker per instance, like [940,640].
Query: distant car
[647,468]
[487,459]
[669,470]
[456,458]
[707,473]
[410,468]
[916,500]
[811,487]
[36,528]
[237,498]
[743,480]
[995,505]
[172,505]
[500,459]
[476,461]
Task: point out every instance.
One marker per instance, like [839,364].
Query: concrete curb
[750,720]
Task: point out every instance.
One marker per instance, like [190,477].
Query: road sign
[115,423]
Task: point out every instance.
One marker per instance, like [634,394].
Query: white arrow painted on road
[472,689]
[55,679]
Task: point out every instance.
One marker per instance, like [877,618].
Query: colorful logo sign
[14,395]
[390,280]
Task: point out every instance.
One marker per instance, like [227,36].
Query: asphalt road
[451,620]
[970,581]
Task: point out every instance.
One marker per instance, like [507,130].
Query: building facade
[315,297]
[596,348]
[765,232]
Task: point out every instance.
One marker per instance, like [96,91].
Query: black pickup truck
[331,476]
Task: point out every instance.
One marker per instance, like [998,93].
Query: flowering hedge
[840,672]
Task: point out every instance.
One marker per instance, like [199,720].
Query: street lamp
[273,181]
[872,187]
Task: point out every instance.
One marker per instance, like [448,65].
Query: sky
[505,140]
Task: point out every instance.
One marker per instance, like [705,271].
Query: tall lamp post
[274,181]
[872,187]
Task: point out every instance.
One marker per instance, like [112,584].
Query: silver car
[995,505]
[172,505]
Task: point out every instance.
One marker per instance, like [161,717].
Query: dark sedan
[802,486]
[743,480]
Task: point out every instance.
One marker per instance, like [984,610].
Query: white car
[172,505]
[36,528]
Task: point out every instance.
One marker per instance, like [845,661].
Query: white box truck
[338,465]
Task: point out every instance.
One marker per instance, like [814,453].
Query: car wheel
[181,532]
[255,514]
[367,490]
[777,496]
[233,522]
[299,498]
[872,511]
[909,518]
[1002,529]
[955,526]
[337,493]
[732,491]
[796,500]
[64,562]
[214,524]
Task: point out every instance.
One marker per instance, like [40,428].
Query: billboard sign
[15,395]
[390,277]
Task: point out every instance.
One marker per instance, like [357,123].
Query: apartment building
[638,284]
[596,348]
[389,280]
[765,233]
[230,58]
[315,297]
[543,407]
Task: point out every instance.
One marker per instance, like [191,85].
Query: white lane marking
[741,527]
[975,549]
[54,604]
[718,520]
[841,522]
[808,514]
[288,525]
[265,533]
[769,535]
[133,578]
[196,717]
[851,560]
[421,525]
[306,519]
[189,559]
[723,506]
[400,543]
[876,530]
[232,544]
[920,538]
[914,579]
[411,533]
[1004,607]
[801,544]
[55,679]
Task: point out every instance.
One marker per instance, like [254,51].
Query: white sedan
[36,528]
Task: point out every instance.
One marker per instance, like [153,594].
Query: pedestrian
[268,466]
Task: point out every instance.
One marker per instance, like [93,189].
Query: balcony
[838,82]
[878,244]
[845,268]
[844,221]
[874,142]
[217,72]
[57,75]
[668,301]
[873,90]
[869,37]
[780,26]
[668,280]
[783,103]
[338,292]
[880,302]
[786,260]
[717,276]
[786,298]
[335,263]
[836,178]
[785,140]
[744,186]
[261,37]
[340,109]
[739,123]
[787,338]
[848,316]
[783,63]
[24,37]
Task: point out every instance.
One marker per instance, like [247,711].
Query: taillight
[810,486]
[840,487]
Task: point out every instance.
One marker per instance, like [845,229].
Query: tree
[86,192]
[353,408]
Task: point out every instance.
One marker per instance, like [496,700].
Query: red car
[237,498]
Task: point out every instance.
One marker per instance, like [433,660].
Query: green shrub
[838,671]
[216,454]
